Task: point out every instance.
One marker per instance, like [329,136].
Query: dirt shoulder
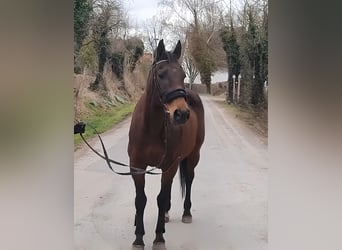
[256,120]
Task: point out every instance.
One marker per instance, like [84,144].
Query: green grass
[103,119]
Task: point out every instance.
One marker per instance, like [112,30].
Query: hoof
[167,217]
[138,243]
[187,219]
[158,246]
[137,247]
[159,239]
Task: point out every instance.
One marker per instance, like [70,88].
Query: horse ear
[178,49]
[160,50]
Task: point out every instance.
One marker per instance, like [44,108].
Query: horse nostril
[177,115]
[181,116]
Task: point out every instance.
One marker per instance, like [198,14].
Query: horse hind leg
[187,174]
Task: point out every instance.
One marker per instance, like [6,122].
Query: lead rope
[79,128]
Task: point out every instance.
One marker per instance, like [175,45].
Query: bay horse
[167,131]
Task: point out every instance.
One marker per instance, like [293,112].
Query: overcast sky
[140,10]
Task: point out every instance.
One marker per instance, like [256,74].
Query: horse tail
[182,174]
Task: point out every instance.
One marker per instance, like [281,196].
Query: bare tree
[154,29]
[202,18]
[189,65]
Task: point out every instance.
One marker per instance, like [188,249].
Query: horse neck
[154,114]
[154,120]
[157,129]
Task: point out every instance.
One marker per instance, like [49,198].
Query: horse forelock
[166,56]
[171,57]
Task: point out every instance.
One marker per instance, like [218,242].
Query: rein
[79,128]
[80,131]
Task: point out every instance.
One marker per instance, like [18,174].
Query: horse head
[168,77]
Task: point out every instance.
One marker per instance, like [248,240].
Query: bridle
[168,96]
[79,128]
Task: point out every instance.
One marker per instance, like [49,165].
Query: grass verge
[103,119]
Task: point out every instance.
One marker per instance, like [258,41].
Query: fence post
[266,88]
[234,89]
[227,92]
[238,89]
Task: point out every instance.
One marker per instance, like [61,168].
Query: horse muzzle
[180,116]
[176,105]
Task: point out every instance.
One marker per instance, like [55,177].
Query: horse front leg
[187,217]
[168,206]
[187,167]
[163,201]
[140,203]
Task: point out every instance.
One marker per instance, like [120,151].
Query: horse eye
[161,75]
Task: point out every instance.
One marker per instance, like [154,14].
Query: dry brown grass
[135,82]
[128,90]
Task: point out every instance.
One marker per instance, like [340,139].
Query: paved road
[229,193]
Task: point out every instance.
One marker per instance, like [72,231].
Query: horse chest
[188,138]
[152,152]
